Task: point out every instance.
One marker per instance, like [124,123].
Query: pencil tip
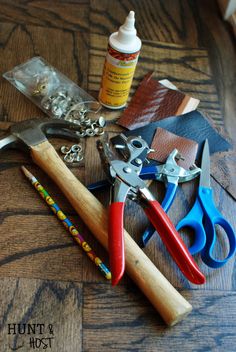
[25,171]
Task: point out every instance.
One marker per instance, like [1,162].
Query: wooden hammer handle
[165,298]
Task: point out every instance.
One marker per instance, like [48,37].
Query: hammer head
[35,131]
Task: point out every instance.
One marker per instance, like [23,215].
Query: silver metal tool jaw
[134,149]
[173,173]
[124,175]
[122,190]
[119,191]
[126,180]
[106,156]
[127,172]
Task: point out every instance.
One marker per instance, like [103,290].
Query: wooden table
[44,277]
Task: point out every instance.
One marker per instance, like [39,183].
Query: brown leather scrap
[164,142]
[154,101]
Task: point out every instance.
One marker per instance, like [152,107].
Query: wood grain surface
[54,303]
[45,278]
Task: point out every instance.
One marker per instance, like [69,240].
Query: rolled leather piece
[154,101]
[193,126]
[164,142]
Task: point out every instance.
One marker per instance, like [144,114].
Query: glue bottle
[121,59]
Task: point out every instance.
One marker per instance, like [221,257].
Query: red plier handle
[116,241]
[167,232]
[173,242]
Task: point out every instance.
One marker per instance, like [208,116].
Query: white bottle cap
[126,40]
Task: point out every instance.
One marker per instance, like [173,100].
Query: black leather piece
[192,125]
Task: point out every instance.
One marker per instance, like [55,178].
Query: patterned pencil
[67,223]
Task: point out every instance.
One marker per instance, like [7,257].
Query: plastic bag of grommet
[50,90]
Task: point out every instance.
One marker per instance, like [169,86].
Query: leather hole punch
[124,178]
[171,174]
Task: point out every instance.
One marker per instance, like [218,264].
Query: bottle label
[117,77]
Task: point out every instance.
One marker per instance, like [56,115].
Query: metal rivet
[127,170]
[138,161]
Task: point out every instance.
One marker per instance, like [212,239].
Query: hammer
[31,135]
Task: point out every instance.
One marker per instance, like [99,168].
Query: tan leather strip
[154,101]
[164,142]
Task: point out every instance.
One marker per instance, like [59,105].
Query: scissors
[203,218]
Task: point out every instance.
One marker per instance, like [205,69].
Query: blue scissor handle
[171,189]
[194,220]
[213,217]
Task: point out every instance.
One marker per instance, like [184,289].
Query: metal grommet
[77,122]
[94,125]
[50,98]
[62,94]
[83,111]
[76,148]
[75,114]
[81,133]
[65,149]
[81,118]
[70,157]
[90,132]
[87,121]
[79,157]
[46,104]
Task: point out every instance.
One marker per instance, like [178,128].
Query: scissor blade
[205,178]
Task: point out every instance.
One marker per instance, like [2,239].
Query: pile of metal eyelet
[60,103]
[63,104]
[72,154]
[73,109]
[86,126]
